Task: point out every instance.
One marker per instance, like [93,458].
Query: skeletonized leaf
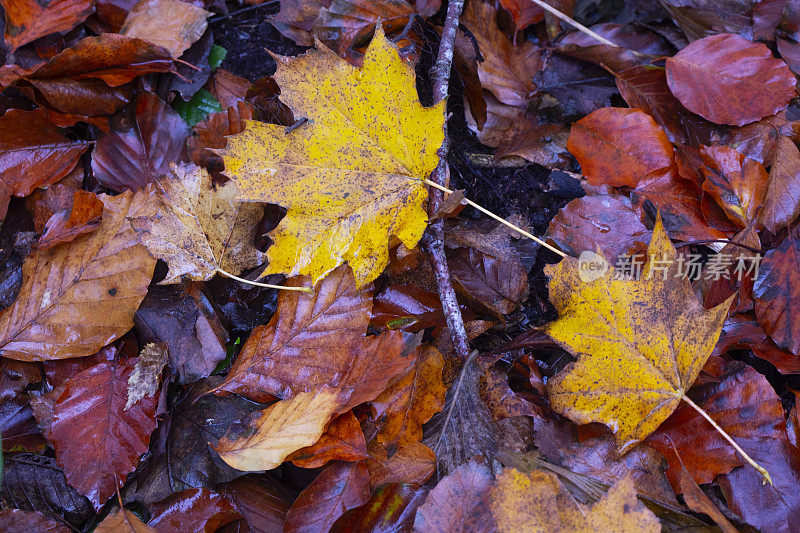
[351,177]
[146,375]
[79,296]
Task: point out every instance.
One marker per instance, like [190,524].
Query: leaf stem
[761,469]
[571,21]
[264,285]
[497,218]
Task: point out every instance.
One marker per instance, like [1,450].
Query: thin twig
[232,14]
[435,244]
[499,219]
[571,21]
[761,469]
[726,241]
[264,285]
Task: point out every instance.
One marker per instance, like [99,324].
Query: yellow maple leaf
[351,177]
[640,343]
[538,502]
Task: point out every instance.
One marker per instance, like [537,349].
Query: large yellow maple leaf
[640,343]
[351,177]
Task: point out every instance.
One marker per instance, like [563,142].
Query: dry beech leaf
[33,153]
[619,147]
[410,402]
[198,227]
[296,19]
[782,202]
[540,503]
[730,80]
[80,296]
[82,217]
[640,343]
[350,179]
[293,352]
[284,427]
[97,441]
[412,464]
[146,375]
[123,520]
[171,24]
[27,20]
[341,486]
[493,284]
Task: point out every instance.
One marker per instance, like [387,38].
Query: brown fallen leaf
[489,283]
[18,521]
[341,486]
[507,69]
[97,441]
[459,502]
[199,229]
[84,216]
[782,199]
[619,147]
[261,499]
[412,464]
[131,159]
[272,361]
[33,153]
[349,24]
[776,291]
[170,24]
[296,19]
[79,296]
[343,440]
[730,80]
[27,20]
[540,502]
[200,510]
[411,401]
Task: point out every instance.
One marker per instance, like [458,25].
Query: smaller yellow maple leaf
[640,343]
[351,177]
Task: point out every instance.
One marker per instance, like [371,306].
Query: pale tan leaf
[173,24]
[144,379]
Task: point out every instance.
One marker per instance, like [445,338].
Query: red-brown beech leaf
[741,331]
[605,220]
[27,20]
[742,402]
[619,147]
[98,442]
[492,284]
[261,499]
[343,440]
[64,226]
[730,80]
[776,292]
[412,463]
[458,502]
[341,486]
[294,352]
[33,153]
[200,510]
[18,521]
[296,19]
[80,296]
[635,46]
[408,308]
[349,24]
[141,155]
[782,201]
[507,70]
